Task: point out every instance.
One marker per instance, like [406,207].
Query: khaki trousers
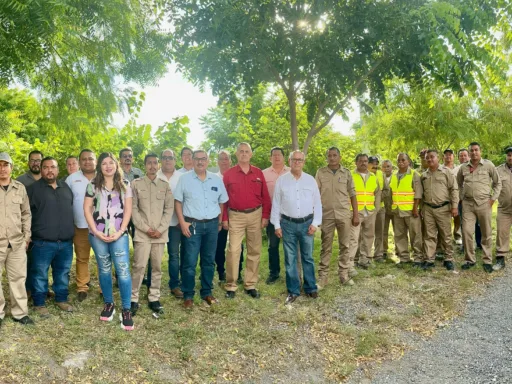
[240,225]
[342,226]
[361,240]
[83,253]
[385,236]
[471,212]
[380,223]
[407,229]
[141,254]
[15,264]
[457,232]
[438,227]
[503,224]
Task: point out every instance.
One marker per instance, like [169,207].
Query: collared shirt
[480,183]
[52,211]
[416,187]
[26,179]
[184,170]
[271,176]
[220,175]
[246,190]
[15,216]
[336,190]
[296,198]
[173,182]
[200,198]
[439,187]
[135,173]
[505,198]
[78,183]
[152,207]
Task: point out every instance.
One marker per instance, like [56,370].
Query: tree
[324,53]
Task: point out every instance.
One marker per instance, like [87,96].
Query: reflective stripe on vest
[380,179]
[365,192]
[403,193]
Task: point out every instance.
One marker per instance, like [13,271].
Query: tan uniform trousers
[438,227]
[141,254]
[470,214]
[408,229]
[361,240]
[385,236]
[240,225]
[457,229]
[343,227]
[380,223]
[83,253]
[15,264]
[503,225]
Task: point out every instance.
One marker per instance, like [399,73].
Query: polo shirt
[26,179]
[135,173]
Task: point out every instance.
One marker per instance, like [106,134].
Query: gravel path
[476,348]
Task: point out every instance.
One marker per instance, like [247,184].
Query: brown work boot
[210,300]
[188,304]
[177,293]
[65,306]
[42,312]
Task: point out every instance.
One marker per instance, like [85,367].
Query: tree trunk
[307,143]
[292,102]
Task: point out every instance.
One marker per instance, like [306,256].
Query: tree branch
[278,77]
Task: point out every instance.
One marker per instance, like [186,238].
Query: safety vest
[380,179]
[365,192]
[403,193]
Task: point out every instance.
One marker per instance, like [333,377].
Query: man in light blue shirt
[199,199]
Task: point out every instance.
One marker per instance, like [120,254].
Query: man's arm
[275,216]
[266,205]
[26,217]
[496,184]
[168,211]
[137,216]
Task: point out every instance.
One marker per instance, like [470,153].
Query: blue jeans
[204,241]
[294,233]
[173,249]
[58,254]
[119,253]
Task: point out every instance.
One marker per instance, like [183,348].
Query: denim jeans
[204,241]
[117,252]
[273,251]
[294,233]
[173,249]
[58,255]
[220,254]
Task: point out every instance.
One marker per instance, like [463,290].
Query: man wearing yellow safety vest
[368,196]
[406,193]
[378,253]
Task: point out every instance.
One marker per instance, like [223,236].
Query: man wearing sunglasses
[126,160]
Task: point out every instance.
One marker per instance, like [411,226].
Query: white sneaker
[458,241]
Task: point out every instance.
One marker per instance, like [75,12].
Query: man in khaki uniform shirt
[15,221]
[440,201]
[337,193]
[482,186]
[153,205]
[504,218]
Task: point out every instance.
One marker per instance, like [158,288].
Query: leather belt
[437,206]
[192,220]
[298,220]
[250,210]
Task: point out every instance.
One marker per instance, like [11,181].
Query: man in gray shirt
[34,169]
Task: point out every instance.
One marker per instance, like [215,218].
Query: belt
[192,220]
[250,210]
[437,206]
[298,220]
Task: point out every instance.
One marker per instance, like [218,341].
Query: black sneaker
[467,265]
[488,268]
[418,264]
[230,294]
[272,280]
[126,320]
[134,307]
[290,299]
[253,293]
[108,312]
[82,296]
[500,263]
[155,306]
[449,265]
[25,320]
[439,256]
[428,266]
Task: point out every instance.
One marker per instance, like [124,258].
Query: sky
[174,96]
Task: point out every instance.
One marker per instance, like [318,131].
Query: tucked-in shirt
[336,189]
[173,182]
[200,198]
[271,176]
[152,207]
[481,183]
[246,190]
[505,198]
[52,211]
[296,198]
[135,173]
[416,187]
[78,184]
[15,216]
[439,187]
[108,207]
[26,179]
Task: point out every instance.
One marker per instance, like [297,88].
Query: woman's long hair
[99,179]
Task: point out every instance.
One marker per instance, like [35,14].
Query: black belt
[298,220]
[192,220]
[437,206]
[250,210]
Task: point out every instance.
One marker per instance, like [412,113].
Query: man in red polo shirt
[248,211]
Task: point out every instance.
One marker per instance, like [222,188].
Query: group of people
[196,213]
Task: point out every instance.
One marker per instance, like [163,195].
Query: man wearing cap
[482,187]
[449,163]
[15,234]
[504,218]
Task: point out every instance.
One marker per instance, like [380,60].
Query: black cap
[448,150]
[372,159]
[508,150]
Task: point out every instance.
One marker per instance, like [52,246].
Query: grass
[242,340]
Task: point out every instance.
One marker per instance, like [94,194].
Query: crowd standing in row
[193,211]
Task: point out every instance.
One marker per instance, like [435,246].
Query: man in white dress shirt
[296,215]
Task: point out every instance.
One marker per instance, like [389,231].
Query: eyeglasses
[52,167]
[201,159]
[297,160]
[34,161]
[127,156]
[164,158]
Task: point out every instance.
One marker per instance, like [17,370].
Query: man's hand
[355,220]
[156,234]
[279,233]
[491,202]
[415,212]
[185,229]
[150,232]
[264,223]
[225,225]
[26,245]
[455,212]
[311,229]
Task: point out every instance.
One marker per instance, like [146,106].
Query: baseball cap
[372,159]
[448,150]
[4,156]
[508,150]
